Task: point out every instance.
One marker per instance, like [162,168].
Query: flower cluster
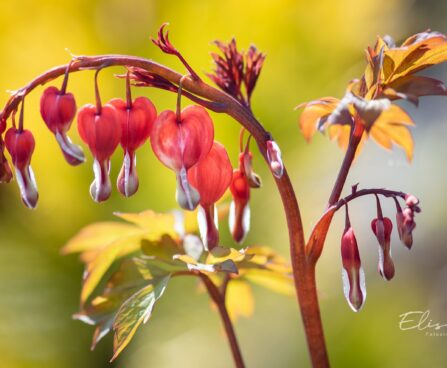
[353,276]
[182,139]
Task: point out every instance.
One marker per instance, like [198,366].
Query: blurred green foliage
[313,49]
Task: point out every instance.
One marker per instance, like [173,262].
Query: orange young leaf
[313,112]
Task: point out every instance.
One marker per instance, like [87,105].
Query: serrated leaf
[98,235]
[136,311]
[313,112]
[415,54]
[101,310]
[156,224]
[393,125]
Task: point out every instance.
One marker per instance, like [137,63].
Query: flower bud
[180,144]
[58,110]
[20,145]
[405,225]
[101,131]
[136,123]
[246,167]
[239,216]
[211,177]
[274,159]
[353,276]
[382,228]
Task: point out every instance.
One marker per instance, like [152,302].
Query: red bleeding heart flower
[382,228]
[58,110]
[211,177]
[136,119]
[180,143]
[20,145]
[100,129]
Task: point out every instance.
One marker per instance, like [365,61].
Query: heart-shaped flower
[136,119]
[101,131]
[211,177]
[382,228]
[20,145]
[180,143]
[58,110]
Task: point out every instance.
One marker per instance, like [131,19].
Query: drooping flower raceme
[180,142]
[211,177]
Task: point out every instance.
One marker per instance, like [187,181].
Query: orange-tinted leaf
[393,125]
[415,54]
[313,112]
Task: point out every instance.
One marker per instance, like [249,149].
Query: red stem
[303,268]
[97,95]
[356,136]
[128,92]
[219,300]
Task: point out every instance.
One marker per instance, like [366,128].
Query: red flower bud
[136,125]
[101,131]
[239,217]
[274,158]
[353,276]
[405,224]
[245,163]
[58,110]
[211,177]
[180,144]
[382,228]
[20,145]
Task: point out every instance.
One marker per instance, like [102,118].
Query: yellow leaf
[239,299]
[98,235]
[274,281]
[156,224]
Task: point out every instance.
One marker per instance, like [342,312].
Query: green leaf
[136,311]
[101,311]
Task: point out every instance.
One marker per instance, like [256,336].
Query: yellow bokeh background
[313,50]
